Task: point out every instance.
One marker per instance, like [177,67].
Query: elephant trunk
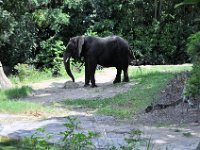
[67,65]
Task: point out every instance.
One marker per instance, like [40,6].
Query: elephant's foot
[86,85]
[116,81]
[126,80]
[93,86]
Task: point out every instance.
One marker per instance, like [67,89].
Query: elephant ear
[80,45]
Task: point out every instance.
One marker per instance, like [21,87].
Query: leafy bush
[76,141]
[71,140]
[155,43]
[193,48]
[27,74]
[24,70]
[51,55]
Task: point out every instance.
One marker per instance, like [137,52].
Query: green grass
[150,80]
[22,144]
[15,93]
[9,102]
[10,98]
[18,107]
[33,76]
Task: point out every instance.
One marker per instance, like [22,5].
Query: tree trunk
[4,81]
[160,9]
[156,9]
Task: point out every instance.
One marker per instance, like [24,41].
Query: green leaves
[58,18]
[73,4]
[29,29]
[53,18]
[76,141]
[52,53]
[7,24]
[193,48]
[186,2]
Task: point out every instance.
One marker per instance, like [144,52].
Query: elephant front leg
[87,75]
[92,68]
[118,76]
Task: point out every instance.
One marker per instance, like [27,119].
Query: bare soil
[55,91]
[179,113]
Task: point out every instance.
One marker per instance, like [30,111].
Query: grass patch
[9,101]
[10,98]
[23,144]
[16,107]
[15,93]
[150,79]
[31,75]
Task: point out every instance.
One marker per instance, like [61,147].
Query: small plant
[71,140]
[76,141]
[39,142]
[24,70]
[187,134]
[135,142]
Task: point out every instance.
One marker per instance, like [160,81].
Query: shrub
[24,70]
[155,43]
[51,55]
[71,139]
[193,49]
[28,74]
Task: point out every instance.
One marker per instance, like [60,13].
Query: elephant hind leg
[118,76]
[126,78]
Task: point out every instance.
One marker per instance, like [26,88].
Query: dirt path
[111,130]
[54,91]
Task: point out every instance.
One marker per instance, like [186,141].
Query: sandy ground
[55,91]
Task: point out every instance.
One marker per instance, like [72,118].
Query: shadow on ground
[61,90]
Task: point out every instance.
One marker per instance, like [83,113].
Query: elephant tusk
[67,60]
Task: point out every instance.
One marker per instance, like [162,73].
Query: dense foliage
[193,48]
[37,31]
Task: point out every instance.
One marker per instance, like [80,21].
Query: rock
[70,85]
[198,147]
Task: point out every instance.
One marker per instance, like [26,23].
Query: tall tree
[4,81]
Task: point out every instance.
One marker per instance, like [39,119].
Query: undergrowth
[28,74]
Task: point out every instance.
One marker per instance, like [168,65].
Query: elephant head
[74,49]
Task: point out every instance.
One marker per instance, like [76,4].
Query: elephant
[111,51]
